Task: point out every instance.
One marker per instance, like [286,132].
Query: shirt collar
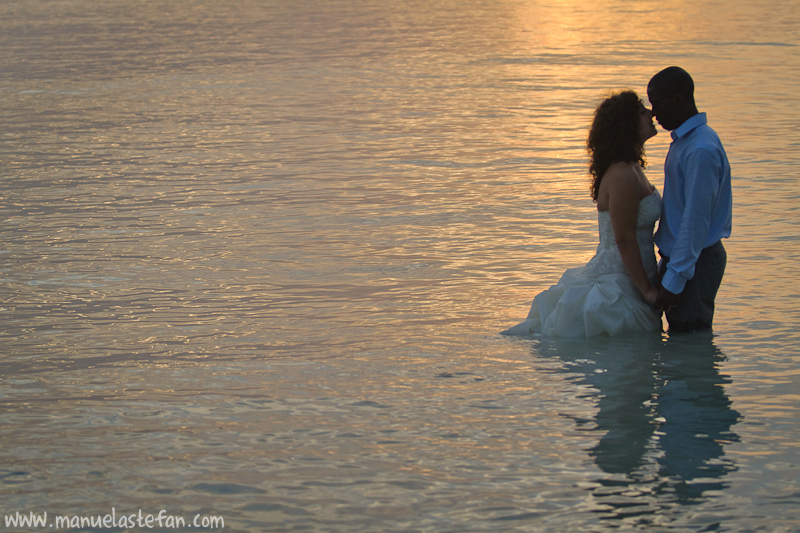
[690,124]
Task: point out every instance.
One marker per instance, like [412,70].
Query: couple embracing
[623,288]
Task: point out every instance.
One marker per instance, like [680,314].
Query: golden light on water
[257,255]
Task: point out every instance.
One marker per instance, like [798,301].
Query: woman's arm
[623,207]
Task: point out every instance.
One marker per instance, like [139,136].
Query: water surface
[256,255]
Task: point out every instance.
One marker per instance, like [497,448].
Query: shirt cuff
[672,282]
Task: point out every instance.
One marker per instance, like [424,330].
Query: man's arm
[702,170]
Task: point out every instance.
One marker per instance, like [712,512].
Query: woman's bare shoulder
[621,171]
[618,175]
[619,181]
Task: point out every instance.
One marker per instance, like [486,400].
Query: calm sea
[255,256]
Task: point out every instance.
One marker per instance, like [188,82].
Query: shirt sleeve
[702,171]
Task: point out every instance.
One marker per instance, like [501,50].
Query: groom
[697,205]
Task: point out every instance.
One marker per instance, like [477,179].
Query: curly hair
[614,136]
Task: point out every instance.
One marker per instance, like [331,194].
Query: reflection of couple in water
[663,414]
[622,289]
[661,403]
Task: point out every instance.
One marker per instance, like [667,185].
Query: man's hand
[666,300]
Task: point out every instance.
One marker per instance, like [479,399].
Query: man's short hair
[673,80]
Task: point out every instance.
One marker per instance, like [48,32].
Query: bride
[615,291]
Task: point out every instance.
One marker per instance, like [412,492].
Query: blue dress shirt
[697,202]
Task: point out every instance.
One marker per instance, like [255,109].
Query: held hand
[666,300]
[650,295]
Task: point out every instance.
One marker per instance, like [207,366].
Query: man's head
[671,93]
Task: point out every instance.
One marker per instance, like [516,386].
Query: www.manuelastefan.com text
[112,520]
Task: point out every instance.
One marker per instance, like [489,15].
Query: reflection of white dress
[599,297]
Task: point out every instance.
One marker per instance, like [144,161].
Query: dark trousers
[696,310]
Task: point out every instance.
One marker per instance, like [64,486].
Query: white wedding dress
[600,297]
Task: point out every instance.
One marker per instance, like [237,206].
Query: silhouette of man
[697,205]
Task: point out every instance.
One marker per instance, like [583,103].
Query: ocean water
[255,257]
